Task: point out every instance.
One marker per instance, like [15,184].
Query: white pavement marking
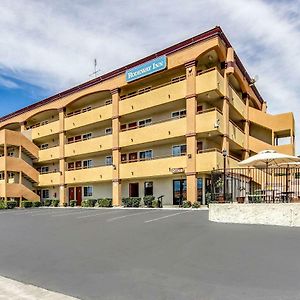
[167,216]
[69,213]
[26,212]
[102,213]
[15,290]
[127,216]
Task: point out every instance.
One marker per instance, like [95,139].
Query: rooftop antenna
[96,71]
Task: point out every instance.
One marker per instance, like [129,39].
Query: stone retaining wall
[283,214]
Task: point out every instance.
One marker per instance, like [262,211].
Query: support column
[116,181]
[5,170]
[247,128]
[62,165]
[23,127]
[191,140]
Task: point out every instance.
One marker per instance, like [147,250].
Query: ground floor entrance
[75,193]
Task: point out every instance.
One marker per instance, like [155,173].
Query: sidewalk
[15,290]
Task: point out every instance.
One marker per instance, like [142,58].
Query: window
[86,109]
[108,130]
[144,90]
[148,188]
[108,160]
[11,175]
[71,166]
[70,140]
[78,164]
[44,170]
[123,157]
[178,114]
[2,176]
[123,127]
[11,154]
[44,146]
[45,194]
[132,125]
[179,150]
[147,154]
[108,101]
[87,163]
[87,136]
[77,138]
[146,122]
[44,122]
[87,191]
[177,79]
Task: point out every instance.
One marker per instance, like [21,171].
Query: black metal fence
[253,185]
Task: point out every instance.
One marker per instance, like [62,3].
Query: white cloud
[52,44]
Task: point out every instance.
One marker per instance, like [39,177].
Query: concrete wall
[283,214]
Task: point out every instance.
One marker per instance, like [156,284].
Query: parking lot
[148,254]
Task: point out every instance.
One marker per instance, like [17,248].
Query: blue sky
[49,46]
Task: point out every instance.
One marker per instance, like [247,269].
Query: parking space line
[167,216]
[130,215]
[69,213]
[98,214]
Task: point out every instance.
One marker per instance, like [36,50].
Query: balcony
[257,145]
[210,80]
[94,174]
[93,145]
[160,166]
[48,154]
[95,115]
[236,134]
[162,130]
[44,130]
[156,96]
[237,102]
[49,179]
[210,120]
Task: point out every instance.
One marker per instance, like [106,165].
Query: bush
[104,202]
[26,204]
[88,203]
[2,204]
[148,200]
[208,198]
[196,204]
[65,204]
[11,204]
[186,204]
[54,202]
[73,203]
[36,204]
[155,203]
[131,202]
[47,202]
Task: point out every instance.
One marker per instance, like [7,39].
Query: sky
[49,46]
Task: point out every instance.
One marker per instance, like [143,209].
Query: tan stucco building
[157,126]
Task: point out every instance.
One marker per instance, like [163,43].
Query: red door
[71,193]
[79,195]
[134,189]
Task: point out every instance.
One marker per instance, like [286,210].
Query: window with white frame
[44,146]
[179,150]
[87,191]
[44,170]
[45,194]
[85,109]
[145,122]
[108,101]
[108,160]
[11,175]
[2,176]
[87,136]
[45,122]
[178,114]
[87,163]
[108,130]
[147,154]
[11,154]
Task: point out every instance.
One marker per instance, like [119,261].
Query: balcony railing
[150,158]
[88,167]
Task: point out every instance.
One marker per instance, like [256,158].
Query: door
[78,195]
[179,191]
[134,189]
[71,193]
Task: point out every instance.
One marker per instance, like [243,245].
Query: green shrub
[196,204]
[88,203]
[65,204]
[10,204]
[26,204]
[186,204]
[3,204]
[36,204]
[131,202]
[155,203]
[47,202]
[148,200]
[104,202]
[73,203]
[54,202]
[208,198]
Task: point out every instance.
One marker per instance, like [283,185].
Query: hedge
[186,204]
[10,204]
[131,202]
[196,204]
[148,201]
[73,203]
[104,202]
[88,202]
[2,204]
[36,204]
[47,202]
[54,202]
[26,204]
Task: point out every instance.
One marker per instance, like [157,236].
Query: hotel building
[154,127]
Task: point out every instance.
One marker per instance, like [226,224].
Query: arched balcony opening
[42,118]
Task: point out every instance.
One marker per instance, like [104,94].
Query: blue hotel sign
[147,68]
